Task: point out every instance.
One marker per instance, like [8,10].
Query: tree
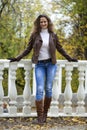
[73,15]
[16,18]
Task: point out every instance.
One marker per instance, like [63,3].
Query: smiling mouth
[44,25]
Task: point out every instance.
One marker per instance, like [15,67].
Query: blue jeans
[44,73]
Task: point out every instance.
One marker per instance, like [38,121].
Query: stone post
[68,90]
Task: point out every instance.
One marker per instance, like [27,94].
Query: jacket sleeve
[27,50]
[61,50]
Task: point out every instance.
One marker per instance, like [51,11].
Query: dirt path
[60,123]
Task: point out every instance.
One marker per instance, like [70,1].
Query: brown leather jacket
[35,43]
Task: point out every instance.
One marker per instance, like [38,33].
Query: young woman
[44,43]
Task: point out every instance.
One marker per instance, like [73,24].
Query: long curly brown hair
[37,27]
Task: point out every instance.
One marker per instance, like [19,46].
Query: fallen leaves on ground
[25,123]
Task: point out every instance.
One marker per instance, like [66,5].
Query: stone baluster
[54,104]
[12,89]
[1,88]
[81,90]
[68,90]
[27,90]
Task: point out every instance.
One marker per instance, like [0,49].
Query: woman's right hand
[13,59]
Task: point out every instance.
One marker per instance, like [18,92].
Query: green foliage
[16,24]
[74,82]
[75,13]
[20,82]
[5,82]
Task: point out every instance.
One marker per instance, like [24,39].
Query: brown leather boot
[39,109]
[47,102]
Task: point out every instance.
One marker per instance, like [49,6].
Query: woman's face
[43,23]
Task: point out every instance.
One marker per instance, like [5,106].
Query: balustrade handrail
[27,96]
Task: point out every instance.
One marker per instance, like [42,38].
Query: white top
[44,51]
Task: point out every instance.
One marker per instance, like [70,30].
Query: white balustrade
[54,104]
[81,90]
[68,90]
[55,109]
[27,89]
[12,89]
[1,88]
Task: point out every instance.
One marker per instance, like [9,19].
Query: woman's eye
[43,22]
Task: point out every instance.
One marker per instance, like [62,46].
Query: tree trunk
[85,52]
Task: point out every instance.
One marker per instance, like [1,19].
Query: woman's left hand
[73,60]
